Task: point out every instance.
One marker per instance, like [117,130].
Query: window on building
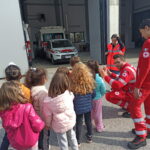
[77,37]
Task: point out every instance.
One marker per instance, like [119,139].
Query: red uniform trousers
[141,126]
[120,98]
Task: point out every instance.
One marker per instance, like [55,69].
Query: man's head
[144,28]
[114,39]
[119,61]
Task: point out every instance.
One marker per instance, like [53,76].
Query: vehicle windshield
[49,36]
[61,43]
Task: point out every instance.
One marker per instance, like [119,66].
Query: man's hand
[103,73]
[137,93]
[108,71]
[106,53]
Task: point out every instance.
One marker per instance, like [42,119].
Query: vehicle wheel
[53,61]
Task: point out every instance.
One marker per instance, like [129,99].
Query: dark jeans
[5,143]
[40,141]
[79,124]
[43,141]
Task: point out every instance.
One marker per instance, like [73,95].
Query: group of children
[29,111]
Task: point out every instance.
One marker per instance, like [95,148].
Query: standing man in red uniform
[122,85]
[114,48]
[142,91]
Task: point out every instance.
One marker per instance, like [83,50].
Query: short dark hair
[35,77]
[12,72]
[94,65]
[74,60]
[145,22]
[114,36]
[119,56]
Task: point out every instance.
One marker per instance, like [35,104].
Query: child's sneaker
[89,138]
[100,130]
[79,144]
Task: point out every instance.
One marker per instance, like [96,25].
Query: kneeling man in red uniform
[122,85]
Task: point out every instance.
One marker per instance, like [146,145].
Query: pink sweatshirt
[38,94]
[22,126]
[59,112]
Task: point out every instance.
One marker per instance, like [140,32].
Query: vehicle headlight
[75,50]
[57,51]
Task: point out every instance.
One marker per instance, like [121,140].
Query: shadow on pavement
[110,112]
[109,141]
[115,134]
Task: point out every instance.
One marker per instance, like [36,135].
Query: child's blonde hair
[11,94]
[82,81]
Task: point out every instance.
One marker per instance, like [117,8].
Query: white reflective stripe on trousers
[148,126]
[137,120]
[111,81]
[140,132]
[148,116]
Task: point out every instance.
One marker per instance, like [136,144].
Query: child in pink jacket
[58,111]
[19,119]
[35,80]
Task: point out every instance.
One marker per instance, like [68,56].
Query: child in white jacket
[58,111]
[35,80]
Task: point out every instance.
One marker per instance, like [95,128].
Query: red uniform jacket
[111,52]
[125,81]
[143,69]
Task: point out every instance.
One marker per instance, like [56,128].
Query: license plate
[67,56]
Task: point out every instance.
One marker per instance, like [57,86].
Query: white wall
[11,36]
[113,17]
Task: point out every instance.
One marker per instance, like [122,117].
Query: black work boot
[126,115]
[133,131]
[137,143]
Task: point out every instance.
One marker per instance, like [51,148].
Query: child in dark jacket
[82,85]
